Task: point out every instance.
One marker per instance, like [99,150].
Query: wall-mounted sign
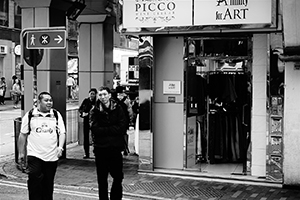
[176,13]
[17,50]
[157,13]
[171,99]
[221,12]
[171,87]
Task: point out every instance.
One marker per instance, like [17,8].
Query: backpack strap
[29,119]
[55,115]
[30,115]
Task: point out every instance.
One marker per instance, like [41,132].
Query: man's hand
[59,151]
[22,164]
[84,114]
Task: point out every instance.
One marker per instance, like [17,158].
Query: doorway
[217,94]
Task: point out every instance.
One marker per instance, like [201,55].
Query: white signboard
[171,87]
[157,13]
[221,12]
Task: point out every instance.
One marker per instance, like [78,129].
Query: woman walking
[16,92]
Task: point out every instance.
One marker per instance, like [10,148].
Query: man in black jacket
[108,123]
[84,110]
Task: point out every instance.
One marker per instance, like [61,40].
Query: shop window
[230,47]
[133,61]
[18,15]
[4,12]
[131,74]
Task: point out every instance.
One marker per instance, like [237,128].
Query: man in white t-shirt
[70,84]
[45,136]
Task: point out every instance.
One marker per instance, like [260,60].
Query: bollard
[17,128]
[80,130]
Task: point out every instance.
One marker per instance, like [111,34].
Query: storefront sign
[157,13]
[171,87]
[221,12]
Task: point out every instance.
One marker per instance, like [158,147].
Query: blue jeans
[109,161]
[40,178]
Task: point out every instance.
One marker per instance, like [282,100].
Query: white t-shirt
[70,81]
[43,138]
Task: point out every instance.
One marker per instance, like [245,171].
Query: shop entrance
[217,104]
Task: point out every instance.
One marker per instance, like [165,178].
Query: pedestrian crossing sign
[46,39]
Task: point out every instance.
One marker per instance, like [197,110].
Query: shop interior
[217,92]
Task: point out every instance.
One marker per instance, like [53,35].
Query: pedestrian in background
[16,92]
[3,87]
[108,124]
[135,109]
[125,103]
[84,110]
[42,138]
[70,84]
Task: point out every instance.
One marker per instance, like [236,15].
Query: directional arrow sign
[46,39]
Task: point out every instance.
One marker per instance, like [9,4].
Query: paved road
[15,190]
[7,131]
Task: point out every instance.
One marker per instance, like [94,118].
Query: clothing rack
[220,72]
[226,72]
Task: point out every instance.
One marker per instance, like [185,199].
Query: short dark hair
[120,89]
[105,88]
[40,97]
[93,90]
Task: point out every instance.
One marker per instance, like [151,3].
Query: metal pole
[33,56]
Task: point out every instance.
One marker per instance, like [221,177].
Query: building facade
[10,28]
[218,82]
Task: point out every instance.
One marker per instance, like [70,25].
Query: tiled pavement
[80,173]
[76,172]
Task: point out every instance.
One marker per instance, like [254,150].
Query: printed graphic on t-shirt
[44,129]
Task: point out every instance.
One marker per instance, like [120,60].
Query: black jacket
[108,125]
[86,106]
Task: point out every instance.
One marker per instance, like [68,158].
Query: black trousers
[40,178]
[86,136]
[109,161]
[2,97]
[69,92]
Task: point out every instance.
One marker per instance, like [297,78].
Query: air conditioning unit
[3,49]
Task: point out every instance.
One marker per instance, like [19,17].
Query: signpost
[37,39]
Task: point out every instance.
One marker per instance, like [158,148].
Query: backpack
[30,115]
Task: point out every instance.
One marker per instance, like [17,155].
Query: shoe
[86,157]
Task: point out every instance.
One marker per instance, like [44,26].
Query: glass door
[217,104]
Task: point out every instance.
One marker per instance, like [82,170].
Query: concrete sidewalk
[80,173]
[77,173]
